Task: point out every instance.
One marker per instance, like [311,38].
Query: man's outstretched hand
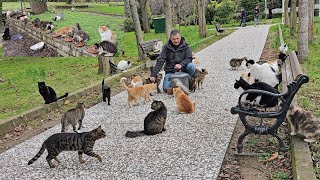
[153,79]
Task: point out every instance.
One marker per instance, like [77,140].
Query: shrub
[222,12]
[128,25]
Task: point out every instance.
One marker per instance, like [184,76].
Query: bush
[128,25]
[222,12]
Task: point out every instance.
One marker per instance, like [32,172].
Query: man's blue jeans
[190,69]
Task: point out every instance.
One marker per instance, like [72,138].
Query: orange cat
[135,93]
[137,81]
[183,102]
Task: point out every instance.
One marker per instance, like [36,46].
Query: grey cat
[235,63]
[302,122]
[73,117]
[197,79]
[80,36]
[81,142]
[154,122]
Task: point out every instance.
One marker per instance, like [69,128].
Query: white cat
[283,48]
[105,33]
[124,65]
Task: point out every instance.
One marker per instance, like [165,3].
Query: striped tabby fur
[81,142]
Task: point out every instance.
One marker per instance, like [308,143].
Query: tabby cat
[80,37]
[106,92]
[135,93]
[105,48]
[235,63]
[48,94]
[73,117]
[154,122]
[302,121]
[183,102]
[197,79]
[81,142]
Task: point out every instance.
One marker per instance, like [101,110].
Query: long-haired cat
[235,63]
[135,93]
[106,48]
[48,94]
[154,122]
[303,122]
[106,34]
[81,142]
[106,92]
[73,117]
[183,102]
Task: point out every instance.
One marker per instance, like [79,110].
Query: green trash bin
[159,25]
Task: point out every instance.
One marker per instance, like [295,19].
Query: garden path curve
[193,146]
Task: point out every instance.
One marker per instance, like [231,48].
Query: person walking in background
[256,15]
[243,17]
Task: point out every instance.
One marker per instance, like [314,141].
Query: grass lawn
[93,7]
[190,33]
[309,95]
[88,23]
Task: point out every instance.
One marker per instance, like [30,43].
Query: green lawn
[93,7]
[309,95]
[88,23]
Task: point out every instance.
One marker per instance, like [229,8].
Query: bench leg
[240,139]
[282,147]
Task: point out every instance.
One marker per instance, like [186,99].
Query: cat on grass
[48,94]
[154,122]
[81,142]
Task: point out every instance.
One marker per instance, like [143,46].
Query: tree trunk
[202,18]
[144,14]
[38,7]
[137,27]
[293,17]
[286,13]
[168,14]
[303,30]
[310,22]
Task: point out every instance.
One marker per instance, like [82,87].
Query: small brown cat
[81,142]
[235,63]
[73,117]
[154,122]
[136,81]
[302,122]
[183,102]
[135,93]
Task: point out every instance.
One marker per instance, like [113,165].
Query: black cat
[6,35]
[48,94]
[106,92]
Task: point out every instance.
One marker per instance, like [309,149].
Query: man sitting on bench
[177,55]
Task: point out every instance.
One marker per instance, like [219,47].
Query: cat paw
[100,159]
[309,140]
[293,133]
[82,161]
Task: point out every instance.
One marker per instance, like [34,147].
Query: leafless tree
[310,22]
[293,17]
[168,13]
[144,16]
[137,27]
[38,7]
[286,13]
[303,30]
[202,18]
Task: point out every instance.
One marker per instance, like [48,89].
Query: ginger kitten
[135,93]
[183,102]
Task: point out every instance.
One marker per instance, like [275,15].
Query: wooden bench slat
[147,46]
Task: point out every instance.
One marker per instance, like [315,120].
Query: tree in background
[222,12]
[311,19]
[272,4]
[168,13]
[202,18]
[293,17]
[286,13]
[39,7]
[144,16]
[137,27]
[303,30]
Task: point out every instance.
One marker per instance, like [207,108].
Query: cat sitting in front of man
[176,55]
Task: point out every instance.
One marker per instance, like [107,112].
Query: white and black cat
[154,122]
[106,92]
[48,94]
[105,48]
[124,65]
[255,98]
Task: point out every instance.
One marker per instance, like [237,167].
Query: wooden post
[104,64]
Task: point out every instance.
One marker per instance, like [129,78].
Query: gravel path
[193,146]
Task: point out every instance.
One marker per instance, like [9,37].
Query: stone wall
[58,44]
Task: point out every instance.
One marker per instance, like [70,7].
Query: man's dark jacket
[171,56]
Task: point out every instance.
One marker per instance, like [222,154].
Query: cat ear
[99,127]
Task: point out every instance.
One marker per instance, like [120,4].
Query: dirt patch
[21,47]
[263,166]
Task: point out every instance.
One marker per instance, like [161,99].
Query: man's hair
[174,32]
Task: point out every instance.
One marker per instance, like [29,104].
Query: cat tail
[65,95]
[134,134]
[78,26]
[38,154]
[124,84]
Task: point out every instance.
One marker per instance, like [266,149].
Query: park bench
[148,48]
[292,80]
[219,29]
